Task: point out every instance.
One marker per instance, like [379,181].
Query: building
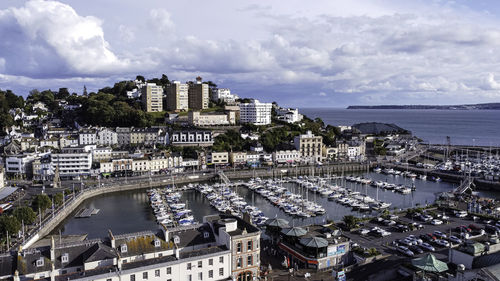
[107,137]
[198,95]
[256,113]
[474,255]
[238,158]
[87,136]
[310,146]
[243,241]
[177,96]
[20,165]
[224,95]
[330,153]
[211,119]
[235,109]
[221,248]
[73,161]
[2,177]
[218,158]
[314,247]
[286,156]
[192,138]
[101,154]
[289,115]
[152,97]
[123,135]
[42,169]
[144,136]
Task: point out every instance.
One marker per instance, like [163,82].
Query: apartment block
[152,97]
[198,95]
[177,96]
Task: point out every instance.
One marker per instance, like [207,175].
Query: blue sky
[330,54]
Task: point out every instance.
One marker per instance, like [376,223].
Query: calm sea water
[465,127]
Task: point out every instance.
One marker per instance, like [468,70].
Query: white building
[289,115]
[101,154]
[20,164]
[211,119]
[218,158]
[256,113]
[178,96]
[2,177]
[286,156]
[192,138]
[221,248]
[107,137]
[73,161]
[224,95]
[87,136]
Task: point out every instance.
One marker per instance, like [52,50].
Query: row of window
[145,275]
[200,263]
[239,261]
[239,246]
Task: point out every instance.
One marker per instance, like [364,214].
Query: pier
[86,213]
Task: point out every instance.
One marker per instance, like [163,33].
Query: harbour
[138,209]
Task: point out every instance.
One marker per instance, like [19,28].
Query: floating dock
[86,213]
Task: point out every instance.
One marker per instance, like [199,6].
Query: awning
[6,191]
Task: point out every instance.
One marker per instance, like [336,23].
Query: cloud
[161,20]
[490,83]
[49,39]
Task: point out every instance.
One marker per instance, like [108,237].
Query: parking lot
[385,244]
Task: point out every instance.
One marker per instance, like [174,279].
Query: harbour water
[131,212]
[465,127]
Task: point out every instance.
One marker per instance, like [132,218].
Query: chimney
[112,239]
[52,249]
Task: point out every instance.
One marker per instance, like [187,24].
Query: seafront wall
[73,203]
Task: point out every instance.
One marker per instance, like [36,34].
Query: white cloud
[161,20]
[49,39]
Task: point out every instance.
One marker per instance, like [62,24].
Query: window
[189,278]
[125,261]
[221,271]
[249,260]
[39,262]
[189,266]
[238,247]
[169,270]
[211,262]
[157,243]
[145,275]
[221,259]
[249,245]
[109,279]
[157,273]
[210,274]
[64,258]
[132,277]
[200,264]
[200,275]
[123,248]
[239,262]
[206,235]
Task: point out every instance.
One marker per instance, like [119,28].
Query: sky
[320,53]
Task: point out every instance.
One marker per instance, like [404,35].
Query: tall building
[310,146]
[256,113]
[177,96]
[152,97]
[224,94]
[198,95]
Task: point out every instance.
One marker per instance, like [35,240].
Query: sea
[464,127]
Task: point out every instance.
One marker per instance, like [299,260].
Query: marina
[87,212]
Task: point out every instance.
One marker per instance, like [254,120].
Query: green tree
[42,202]
[10,224]
[58,199]
[25,214]
[350,221]
[140,78]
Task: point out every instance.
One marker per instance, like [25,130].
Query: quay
[86,213]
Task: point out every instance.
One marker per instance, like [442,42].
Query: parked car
[363,231]
[439,234]
[415,238]
[461,214]
[402,228]
[407,242]
[430,237]
[427,247]
[416,249]
[455,239]
[474,227]
[426,218]
[462,228]
[416,225]
[436,222]
[492,229]
[405,251]
[442,242]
